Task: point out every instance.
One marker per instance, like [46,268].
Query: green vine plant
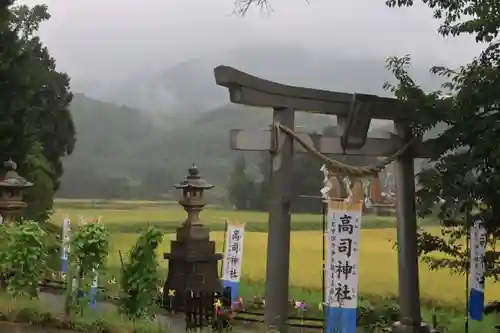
[140,276]
[89,247]
[24,257]
[4,237]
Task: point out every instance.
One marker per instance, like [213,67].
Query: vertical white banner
[341,268]
[66,238]
[343,238]
[478,236]
[93,291]
[233,253]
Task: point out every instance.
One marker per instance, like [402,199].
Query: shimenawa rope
[337,167]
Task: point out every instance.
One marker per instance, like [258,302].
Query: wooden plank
[254,91]
[260,140]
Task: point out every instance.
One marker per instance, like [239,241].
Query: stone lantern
[192,262]
[11,188]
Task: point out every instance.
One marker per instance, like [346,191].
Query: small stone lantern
[11,188]
[192,262]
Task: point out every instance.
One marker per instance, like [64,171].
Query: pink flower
[299,305]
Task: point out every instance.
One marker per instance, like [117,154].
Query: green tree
[241,187]
[156,183]
[41,173]
[140,276]
[307,180]
[468,105]
[116,187]
[34,100]
[480,18]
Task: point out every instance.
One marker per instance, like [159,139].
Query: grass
[377,268]
[168,217]
[116,204]
[36,312]
[442,294]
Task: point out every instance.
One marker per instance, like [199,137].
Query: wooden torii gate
[354,113]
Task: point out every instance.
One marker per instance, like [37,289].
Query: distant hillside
[107,134]
[189,87]
[116,141]
[205,140]
[107,131]
[180,116]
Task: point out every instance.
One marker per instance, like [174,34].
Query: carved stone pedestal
[192,265]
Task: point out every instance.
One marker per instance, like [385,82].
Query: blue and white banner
[66,237]
[93,292]
[233,257]
[341,267]
[477,268]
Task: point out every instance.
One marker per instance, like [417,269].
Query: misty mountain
[107,132]
[189,87]
[117,141]
[179,116]
[205,140]
[121,142]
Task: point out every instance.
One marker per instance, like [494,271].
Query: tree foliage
[36,127]
[478,17]
[89,252]
[241,188]
[24,257]
[306,180]
[469,105]
[140,277]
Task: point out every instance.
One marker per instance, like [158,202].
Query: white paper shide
[327,185]
[233,255]
[477,252]
[341,271]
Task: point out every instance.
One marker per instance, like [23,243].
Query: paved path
[176,324]
[55,304]
[26,328]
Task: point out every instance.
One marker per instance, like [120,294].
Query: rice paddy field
[378,257]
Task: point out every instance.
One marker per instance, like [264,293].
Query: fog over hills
[180,116]
[144,70]
[189,87]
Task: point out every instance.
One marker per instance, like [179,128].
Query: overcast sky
[107,40]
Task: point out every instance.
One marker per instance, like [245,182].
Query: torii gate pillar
[410,316]
[249,90]
[278,236]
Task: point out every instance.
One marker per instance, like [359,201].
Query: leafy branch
[24,257]
[140,276]
[89,251]
[481,18]
[468,105]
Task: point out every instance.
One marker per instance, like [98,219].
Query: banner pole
[223,247]
[467,269]
[324,208]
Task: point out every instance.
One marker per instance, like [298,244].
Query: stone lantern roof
[10,177]
[194,181]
